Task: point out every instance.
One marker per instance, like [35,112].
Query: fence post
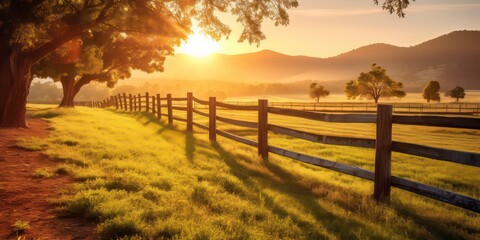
[154,109]
[263,128]
[147,102]
[159,107]
[134,103]
[212,118]
[383,153]
[120,104]
[189,112]
[125,101]
[130,100]
[169,106]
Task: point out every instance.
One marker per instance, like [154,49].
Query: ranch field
[140,178]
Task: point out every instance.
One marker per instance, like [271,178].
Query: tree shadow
[190,142]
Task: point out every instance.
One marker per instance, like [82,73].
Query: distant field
[471,96]
[140,177]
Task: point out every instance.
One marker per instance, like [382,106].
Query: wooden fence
[383,143]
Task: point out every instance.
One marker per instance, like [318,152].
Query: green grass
[143,179]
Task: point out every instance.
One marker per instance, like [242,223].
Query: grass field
[141,178]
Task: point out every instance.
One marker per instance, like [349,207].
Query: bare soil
[23,197]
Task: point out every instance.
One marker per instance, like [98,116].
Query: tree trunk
[376,99]
[457,99]
[428,100]
[68,83]
[15,80]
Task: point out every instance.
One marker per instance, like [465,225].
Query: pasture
[142,178]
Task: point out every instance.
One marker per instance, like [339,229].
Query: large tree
[430,92]
[457,92]
[374,84]
[31,29]
[317,91]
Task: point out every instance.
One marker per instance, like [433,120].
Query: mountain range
[452,59]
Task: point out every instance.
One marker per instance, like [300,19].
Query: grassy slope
[138,176]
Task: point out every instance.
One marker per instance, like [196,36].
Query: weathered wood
[239,123]
[263,128]
[237,138]
[203,102]
[179,108]
[438,194]
[154,109]
[139,102]
[325,139]
[179,119]
[165,115]
[236,107]
[189,111]
[179,99]
[212,116]
[383,153]
[200,113]
[120,102]
[339,167]
[159,107]
[169,108]
[134,103]
[130,100]
[439,121]
[147,102]
[201,126]
[347,118]
[467,158]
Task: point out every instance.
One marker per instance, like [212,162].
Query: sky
[322,28]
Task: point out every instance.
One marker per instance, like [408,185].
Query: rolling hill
[452,59]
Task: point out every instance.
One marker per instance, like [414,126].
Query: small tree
[374,84]
[317,91]
[430,92]
[458,92]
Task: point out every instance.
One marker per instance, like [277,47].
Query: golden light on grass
[199,45]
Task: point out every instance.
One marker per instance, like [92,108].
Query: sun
[199,45]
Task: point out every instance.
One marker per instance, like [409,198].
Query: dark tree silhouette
[374,84]
[430,92]
[31,29]
[458,92]
[317,91]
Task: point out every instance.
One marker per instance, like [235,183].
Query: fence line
[383,143]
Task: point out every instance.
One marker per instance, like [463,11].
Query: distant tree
[44,92]
[430,92]
[317,91]
[458,92]
[374,84]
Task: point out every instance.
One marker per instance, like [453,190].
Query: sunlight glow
[199,45]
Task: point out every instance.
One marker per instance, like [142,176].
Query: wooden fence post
[147,102]
[125,101]
[212,118]
[139,102]
[263,128]
[189,111]
[383,153]
[159,107]
[154,109]
[134,103]
[169,106]
[119,97]
[130,101]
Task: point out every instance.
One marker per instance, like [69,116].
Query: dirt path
[23,197]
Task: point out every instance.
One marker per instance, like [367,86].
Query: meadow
[140,178]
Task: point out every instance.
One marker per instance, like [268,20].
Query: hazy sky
[324,28]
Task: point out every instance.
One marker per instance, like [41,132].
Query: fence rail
[383,143]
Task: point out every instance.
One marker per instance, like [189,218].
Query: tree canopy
[430,92]
[374,84]
[458,92]
[317,91]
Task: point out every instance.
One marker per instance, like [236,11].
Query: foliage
[166,182]
[317,91]
[457,92]
[395,6]
[430,92]
[374,84]
[20,226]
[42,173]
[46,92]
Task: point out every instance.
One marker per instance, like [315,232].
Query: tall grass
[141,178]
